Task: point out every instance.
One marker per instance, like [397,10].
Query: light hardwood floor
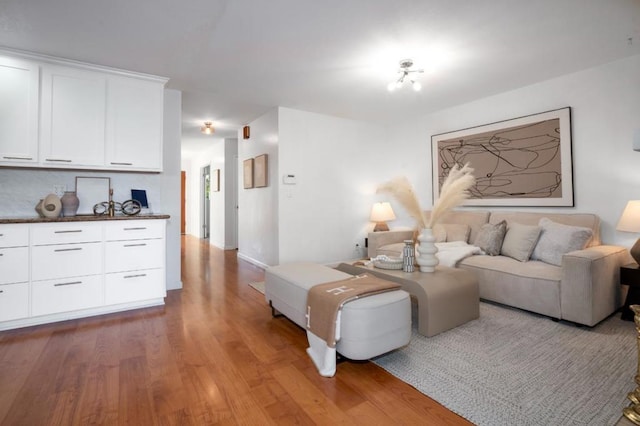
[211,355]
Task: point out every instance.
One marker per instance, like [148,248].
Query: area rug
[515,368]
[258,285]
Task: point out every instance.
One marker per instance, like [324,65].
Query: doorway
[206,201]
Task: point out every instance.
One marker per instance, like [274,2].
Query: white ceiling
[235,59]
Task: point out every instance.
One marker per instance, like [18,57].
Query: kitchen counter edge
[80,218]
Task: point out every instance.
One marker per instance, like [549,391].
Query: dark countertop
[83,218]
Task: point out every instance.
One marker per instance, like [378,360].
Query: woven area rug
[257,285]
[515,368]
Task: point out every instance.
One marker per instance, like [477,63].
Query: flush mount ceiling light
[207,129]
[405,71]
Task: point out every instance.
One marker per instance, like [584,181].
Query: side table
[630,275]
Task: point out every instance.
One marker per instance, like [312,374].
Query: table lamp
[381,213]
[630,222]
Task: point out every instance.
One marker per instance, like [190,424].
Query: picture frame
[215,180]
[525,161]
[260,171]
[91,191]
[247,171]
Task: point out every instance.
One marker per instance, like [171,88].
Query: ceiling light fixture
[207,129]
[404,72]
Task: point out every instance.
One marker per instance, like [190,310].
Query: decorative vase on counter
[70,203]
[427,251]
[50,206]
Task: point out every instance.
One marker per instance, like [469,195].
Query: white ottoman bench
[369,326]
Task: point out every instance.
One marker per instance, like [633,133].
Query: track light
[404,72]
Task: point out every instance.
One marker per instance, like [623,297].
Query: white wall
[605,112]
[170,184]
[258,224]
[338,164]
[229,186]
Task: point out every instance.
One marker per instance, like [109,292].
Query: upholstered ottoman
[369,326]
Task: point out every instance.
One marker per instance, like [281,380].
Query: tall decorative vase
[427,251]
[70,203]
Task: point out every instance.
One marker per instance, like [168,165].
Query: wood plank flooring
[211,355]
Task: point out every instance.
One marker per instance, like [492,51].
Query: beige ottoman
[369,326]
[446,298]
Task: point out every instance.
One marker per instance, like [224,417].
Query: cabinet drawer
[66,233]
[66,260]
[14,265]
[52,296]
[123,256]
[134,286]
[14,301]
[14,235]
[134,229]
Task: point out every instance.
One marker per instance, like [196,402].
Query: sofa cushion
[490,237]
[474,218]
[448,232]
[557,239]
[520,241]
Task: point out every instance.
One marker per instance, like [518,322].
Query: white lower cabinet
[14,301]
[123,287]
[67,294]
[62,270]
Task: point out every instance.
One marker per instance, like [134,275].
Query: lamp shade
[630,219]
[381,212]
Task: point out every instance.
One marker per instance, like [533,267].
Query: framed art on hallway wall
[260,171]
[247,172]
[525,161]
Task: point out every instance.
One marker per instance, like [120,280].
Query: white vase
[427,251]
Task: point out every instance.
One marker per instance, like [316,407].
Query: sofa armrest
[590,289]
[379,239]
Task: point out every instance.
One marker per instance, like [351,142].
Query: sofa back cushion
[474,218]
[585,220]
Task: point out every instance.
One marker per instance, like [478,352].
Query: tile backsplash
[21,189]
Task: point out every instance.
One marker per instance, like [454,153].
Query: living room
[337,156]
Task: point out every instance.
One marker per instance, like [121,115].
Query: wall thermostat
[289,179]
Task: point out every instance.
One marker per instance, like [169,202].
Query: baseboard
[252,261]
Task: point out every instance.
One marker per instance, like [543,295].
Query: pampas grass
[454,191]
[403,192]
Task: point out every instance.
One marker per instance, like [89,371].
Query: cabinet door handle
[135,276]
[121,164]
[139,228]
[134,245]
[69,283]
[68,231]
[60,160]
[69,249]
[1,254]
[1,291]
[17,158]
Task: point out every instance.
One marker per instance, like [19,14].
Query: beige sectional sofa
[583,289]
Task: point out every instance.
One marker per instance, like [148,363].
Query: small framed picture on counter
[91,191]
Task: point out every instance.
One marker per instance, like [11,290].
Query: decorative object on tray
[70,203]
[408,256]
[49,206]
[387,262]
[455,189]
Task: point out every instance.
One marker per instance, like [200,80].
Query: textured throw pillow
[557,239]
[519,241]
[490,237]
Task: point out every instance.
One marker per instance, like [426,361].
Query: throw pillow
[519,241]
[457,232]
[440,233]
[490,237]
[557,239]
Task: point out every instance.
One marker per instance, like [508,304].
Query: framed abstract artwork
[524,161]
[247,170]
[260,171]
[91,191]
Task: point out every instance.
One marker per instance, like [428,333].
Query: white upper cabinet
[19,84]
[73,117]
[134,124]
